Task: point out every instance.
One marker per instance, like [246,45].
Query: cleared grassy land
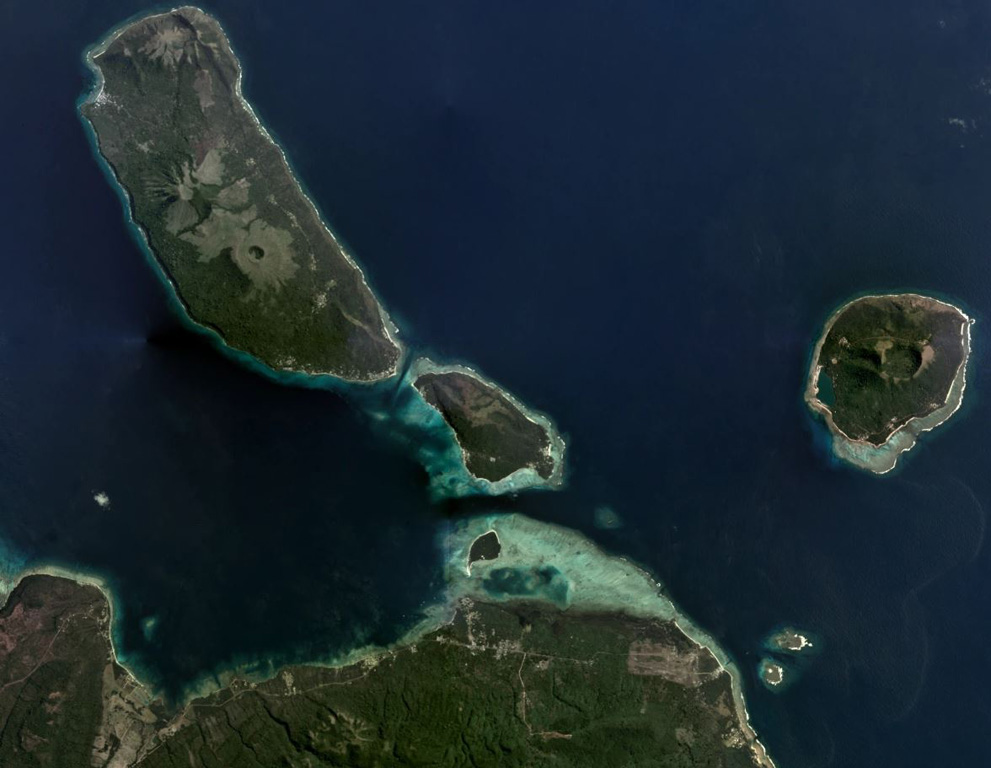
[244,248]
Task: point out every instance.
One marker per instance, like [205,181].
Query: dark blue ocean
[636,217]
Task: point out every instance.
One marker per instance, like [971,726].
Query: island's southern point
[219,209]
[503,445]
[886,369]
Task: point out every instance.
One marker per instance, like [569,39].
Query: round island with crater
[886,369]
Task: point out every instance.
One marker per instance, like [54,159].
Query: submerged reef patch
[544,583]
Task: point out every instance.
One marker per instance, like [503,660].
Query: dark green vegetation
[498,686]
[64,702]
[889,359]
[51,688]
[496,437]
[485,547]
[244,248]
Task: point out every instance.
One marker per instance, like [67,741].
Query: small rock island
[502,442]
[219,209]
[789,652]
[772,674]
[886,369]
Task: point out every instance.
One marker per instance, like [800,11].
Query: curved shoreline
[447,479]
[598,583]
[468,561]
[882,459]
[518,480]
[524,478]
[387,325]
[622,585]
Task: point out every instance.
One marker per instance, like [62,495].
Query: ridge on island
[219,209]
[506,679]
[886,369]
[504,446]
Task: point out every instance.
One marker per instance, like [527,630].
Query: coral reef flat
[543,649]
[225,222]
[507,680]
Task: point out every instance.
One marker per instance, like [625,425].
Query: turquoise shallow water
[636,218]
[826,389]
[393,405]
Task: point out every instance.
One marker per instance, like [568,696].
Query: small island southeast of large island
[228,227]
[504,446]
[886,369]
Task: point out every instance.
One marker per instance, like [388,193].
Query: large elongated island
[226,224]
[222,215]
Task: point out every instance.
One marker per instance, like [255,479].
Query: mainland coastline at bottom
[586,580]
[591,580]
